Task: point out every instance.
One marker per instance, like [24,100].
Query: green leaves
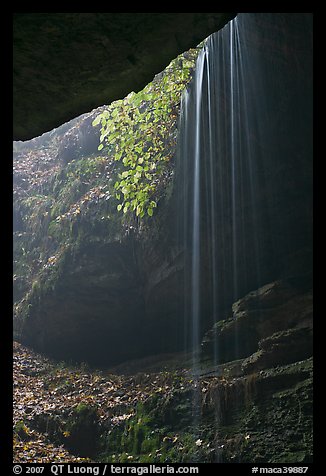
[139,131]
[96,121]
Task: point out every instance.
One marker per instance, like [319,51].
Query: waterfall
[244,154]
[241,139]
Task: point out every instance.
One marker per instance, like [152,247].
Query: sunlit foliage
[140,132]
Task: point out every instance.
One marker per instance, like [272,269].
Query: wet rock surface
[262,319]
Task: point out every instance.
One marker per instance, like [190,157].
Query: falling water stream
[213,133]
[239,136]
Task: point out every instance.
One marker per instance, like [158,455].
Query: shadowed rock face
[118,298]
[66,64]
[273,325]
[89,310]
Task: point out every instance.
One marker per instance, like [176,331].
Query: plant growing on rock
[140,132]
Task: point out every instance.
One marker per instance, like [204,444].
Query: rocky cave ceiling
[66,64]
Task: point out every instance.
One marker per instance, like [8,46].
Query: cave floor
[44,389]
